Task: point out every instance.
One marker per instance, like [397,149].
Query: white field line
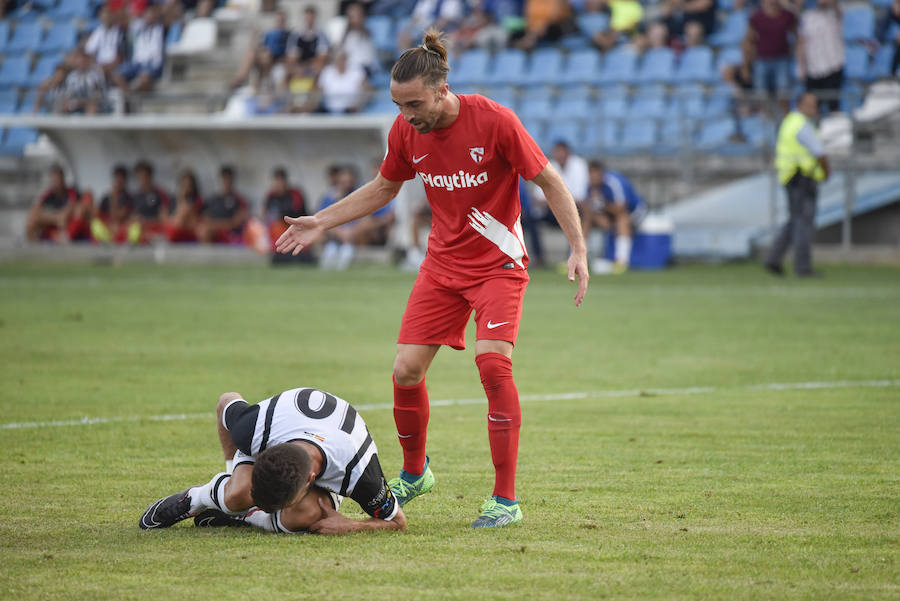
[528,398]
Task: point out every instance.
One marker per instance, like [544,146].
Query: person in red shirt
[771,28]
[57,214]
[469,151]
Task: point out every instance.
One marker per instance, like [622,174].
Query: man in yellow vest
[801,163]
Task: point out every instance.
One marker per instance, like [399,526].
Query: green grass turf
[736,493]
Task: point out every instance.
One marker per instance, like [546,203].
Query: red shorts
[439,308]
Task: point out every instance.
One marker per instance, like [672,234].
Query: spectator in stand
[693,34]
[343,89]
[281,201]
[269,81]
[147,53]
[657,36]
[574,172]
[184,213]
[820,52]
[275,40]
[151,207]
[357,41]
[84,90]
[106,43]
[224,215]
[57,214]
[307,52]
[545,21]
[114,212]
[341,242]
[488,24]
[443,15]
[625,16]
[678,13]
[770,29]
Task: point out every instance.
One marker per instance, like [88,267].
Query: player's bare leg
[411,414]
[493,358]
[228,447]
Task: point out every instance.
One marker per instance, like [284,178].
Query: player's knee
[408,372]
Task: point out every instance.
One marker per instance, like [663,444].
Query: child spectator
[114,212]
[57,215]
[223,215]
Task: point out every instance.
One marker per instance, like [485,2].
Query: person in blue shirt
[612,201]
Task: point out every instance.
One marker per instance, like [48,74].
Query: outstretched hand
[302,232]
[578,268]
[332,522]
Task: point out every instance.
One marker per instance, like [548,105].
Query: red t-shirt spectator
[772,33]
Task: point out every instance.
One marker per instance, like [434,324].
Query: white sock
[623,249]
[270,522]
[211,495]
[595,244]
[345,256]
[329,255]
[229,465]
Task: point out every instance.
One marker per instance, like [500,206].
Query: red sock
[411,416]
[504,419]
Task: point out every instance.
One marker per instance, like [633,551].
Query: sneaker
[407,491]
[774,269]
[213,518]
[168,511]
[619,268]
[496,515]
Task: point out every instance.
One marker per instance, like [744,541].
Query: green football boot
[497,515]
[406,490]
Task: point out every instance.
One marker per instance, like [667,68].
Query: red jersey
[471,174]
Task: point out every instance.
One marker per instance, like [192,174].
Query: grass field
[676,469]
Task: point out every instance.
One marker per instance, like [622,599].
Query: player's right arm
[303,231]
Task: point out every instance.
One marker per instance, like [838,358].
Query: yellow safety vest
[792,156]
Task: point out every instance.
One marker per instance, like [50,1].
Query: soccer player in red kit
[469,152]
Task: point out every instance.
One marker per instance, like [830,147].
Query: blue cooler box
[651,245]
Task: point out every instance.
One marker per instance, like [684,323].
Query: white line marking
[525,398]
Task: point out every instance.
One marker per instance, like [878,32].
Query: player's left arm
[333,522]
[560,201]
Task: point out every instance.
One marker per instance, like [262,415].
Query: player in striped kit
[290,461]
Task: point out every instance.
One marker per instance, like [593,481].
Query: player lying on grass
[290,461]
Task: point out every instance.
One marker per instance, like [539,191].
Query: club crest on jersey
[454,181]
[477,153]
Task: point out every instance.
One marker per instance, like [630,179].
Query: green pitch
[657,462]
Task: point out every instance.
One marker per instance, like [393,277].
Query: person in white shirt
[106,42]
[820,51]
[147,53]
[344,88]
[357,41]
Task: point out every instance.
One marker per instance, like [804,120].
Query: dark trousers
[830,84]
[802,192]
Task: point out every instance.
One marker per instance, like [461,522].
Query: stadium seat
[647,103]
[536,108]
[758,132]
[688,101]
[673,136]
[697,64]
[852,97]
[591,23]
[601,135]
[44,5]
[859,24]
[471,68]
[61,37]
[545,65]
[173,35]
[4,35]
[505,95]
[382,30]
[43,69]
[614,103]
[890,34]
[25,38]
[14,71]
[26,105]
[715,133]
[881,64]
[657,66]
[535,127]
[508,67]
[729,55]
[9,101]
[72,9]
[574,106]
[582,66]
[569,131]
[535,92]
[856,62]
[574,42]
[638,135]
[619,66]
[732,30]
[16,139]
[719,101]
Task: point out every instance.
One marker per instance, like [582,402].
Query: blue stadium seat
[506,95]
[545,65]
[381,27]
[61,37]
[619,66]
[648,103]
[26,105]
[44,69]
[602,135]
[537,92]
[851,97]
[381,103]
[859,24]
[856,62]
[508,67]
[25,38]
[732,30]
[591,23]
[574,42]
[574,106]
[174,33]
[568,131]
[614,103]
[890,34]
[9,101]
[719,101]
[715,133]
[471,68]
[535,108]
[44,5]
[638,135]
[657,66]
[582,66]
[72,9]
[14,72]
[758,132]
[4,34]
[673,136]
[881,64]
[535,127]
[16,139]
[697,64]
[688,101]
[729,55]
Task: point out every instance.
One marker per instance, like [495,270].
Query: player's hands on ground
[333,522]
[303,232]
[578,268]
